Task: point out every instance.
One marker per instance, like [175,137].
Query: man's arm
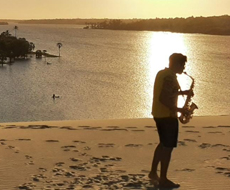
[169,94]
[185,92]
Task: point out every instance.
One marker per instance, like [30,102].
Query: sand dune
[111,154]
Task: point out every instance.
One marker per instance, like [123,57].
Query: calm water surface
[105,74]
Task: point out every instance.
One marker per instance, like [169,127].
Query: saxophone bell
[193,106]
[188,106]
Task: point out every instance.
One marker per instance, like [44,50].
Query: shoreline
[196,120]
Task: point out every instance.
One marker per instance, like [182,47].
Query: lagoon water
[105,74]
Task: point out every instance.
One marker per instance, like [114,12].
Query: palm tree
[59,45]
[15,30]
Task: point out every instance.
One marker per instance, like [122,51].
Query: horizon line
[11,19]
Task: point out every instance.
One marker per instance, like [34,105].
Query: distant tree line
[60,21]
[217,25]
[12,47]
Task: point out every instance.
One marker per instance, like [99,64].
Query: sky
[113,9]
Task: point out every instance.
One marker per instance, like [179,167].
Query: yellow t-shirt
[165,94]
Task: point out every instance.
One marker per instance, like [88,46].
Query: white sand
[111,154]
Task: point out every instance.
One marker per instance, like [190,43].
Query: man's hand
[183,111]
[187,92]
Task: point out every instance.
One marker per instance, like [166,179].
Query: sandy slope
[111,154]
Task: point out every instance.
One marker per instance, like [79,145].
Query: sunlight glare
[161,45]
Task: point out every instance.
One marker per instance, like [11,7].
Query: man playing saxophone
[164,110]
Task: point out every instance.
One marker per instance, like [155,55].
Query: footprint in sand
[10,127]
[220,145]
[79,142]
[68,147]
[190,131]
[87,148]
[138,130]
[80,167]
[209,127]
[181,143]
[68,128]
[42,169]
[114,129]
[215,132]
[28,157]
[24,139]
[28,186]
[190,140]
[150,127]
[92,128]
[186,170]
[104,159]
[2,141]
[104,170]
[131,127]
[37,127]
[205,145]
[224,126]
[31,162]
[75,159]
[226,157]
[52,141]
[59,164]
[11,147]
[188,127]
[59,171]
[227,150]
[84,126]
[38,177]
[133,145]
[224,171]
[105,145]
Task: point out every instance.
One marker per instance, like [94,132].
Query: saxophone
[189,105]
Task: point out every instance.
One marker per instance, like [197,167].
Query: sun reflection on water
[160,46]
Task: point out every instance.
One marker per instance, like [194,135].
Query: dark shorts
[168,131]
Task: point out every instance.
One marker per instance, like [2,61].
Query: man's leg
[165,160]
[164,182]
[156,159]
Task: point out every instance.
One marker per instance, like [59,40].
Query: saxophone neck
[188,75]
[193,81]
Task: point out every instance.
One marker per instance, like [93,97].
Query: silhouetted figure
[164,110]
[54,96]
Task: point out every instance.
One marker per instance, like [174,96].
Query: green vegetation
[217,25]
[13,48]
[77,21]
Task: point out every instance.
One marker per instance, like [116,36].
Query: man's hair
[177,58]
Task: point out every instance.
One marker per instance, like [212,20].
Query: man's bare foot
[154,178]
[168,184]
